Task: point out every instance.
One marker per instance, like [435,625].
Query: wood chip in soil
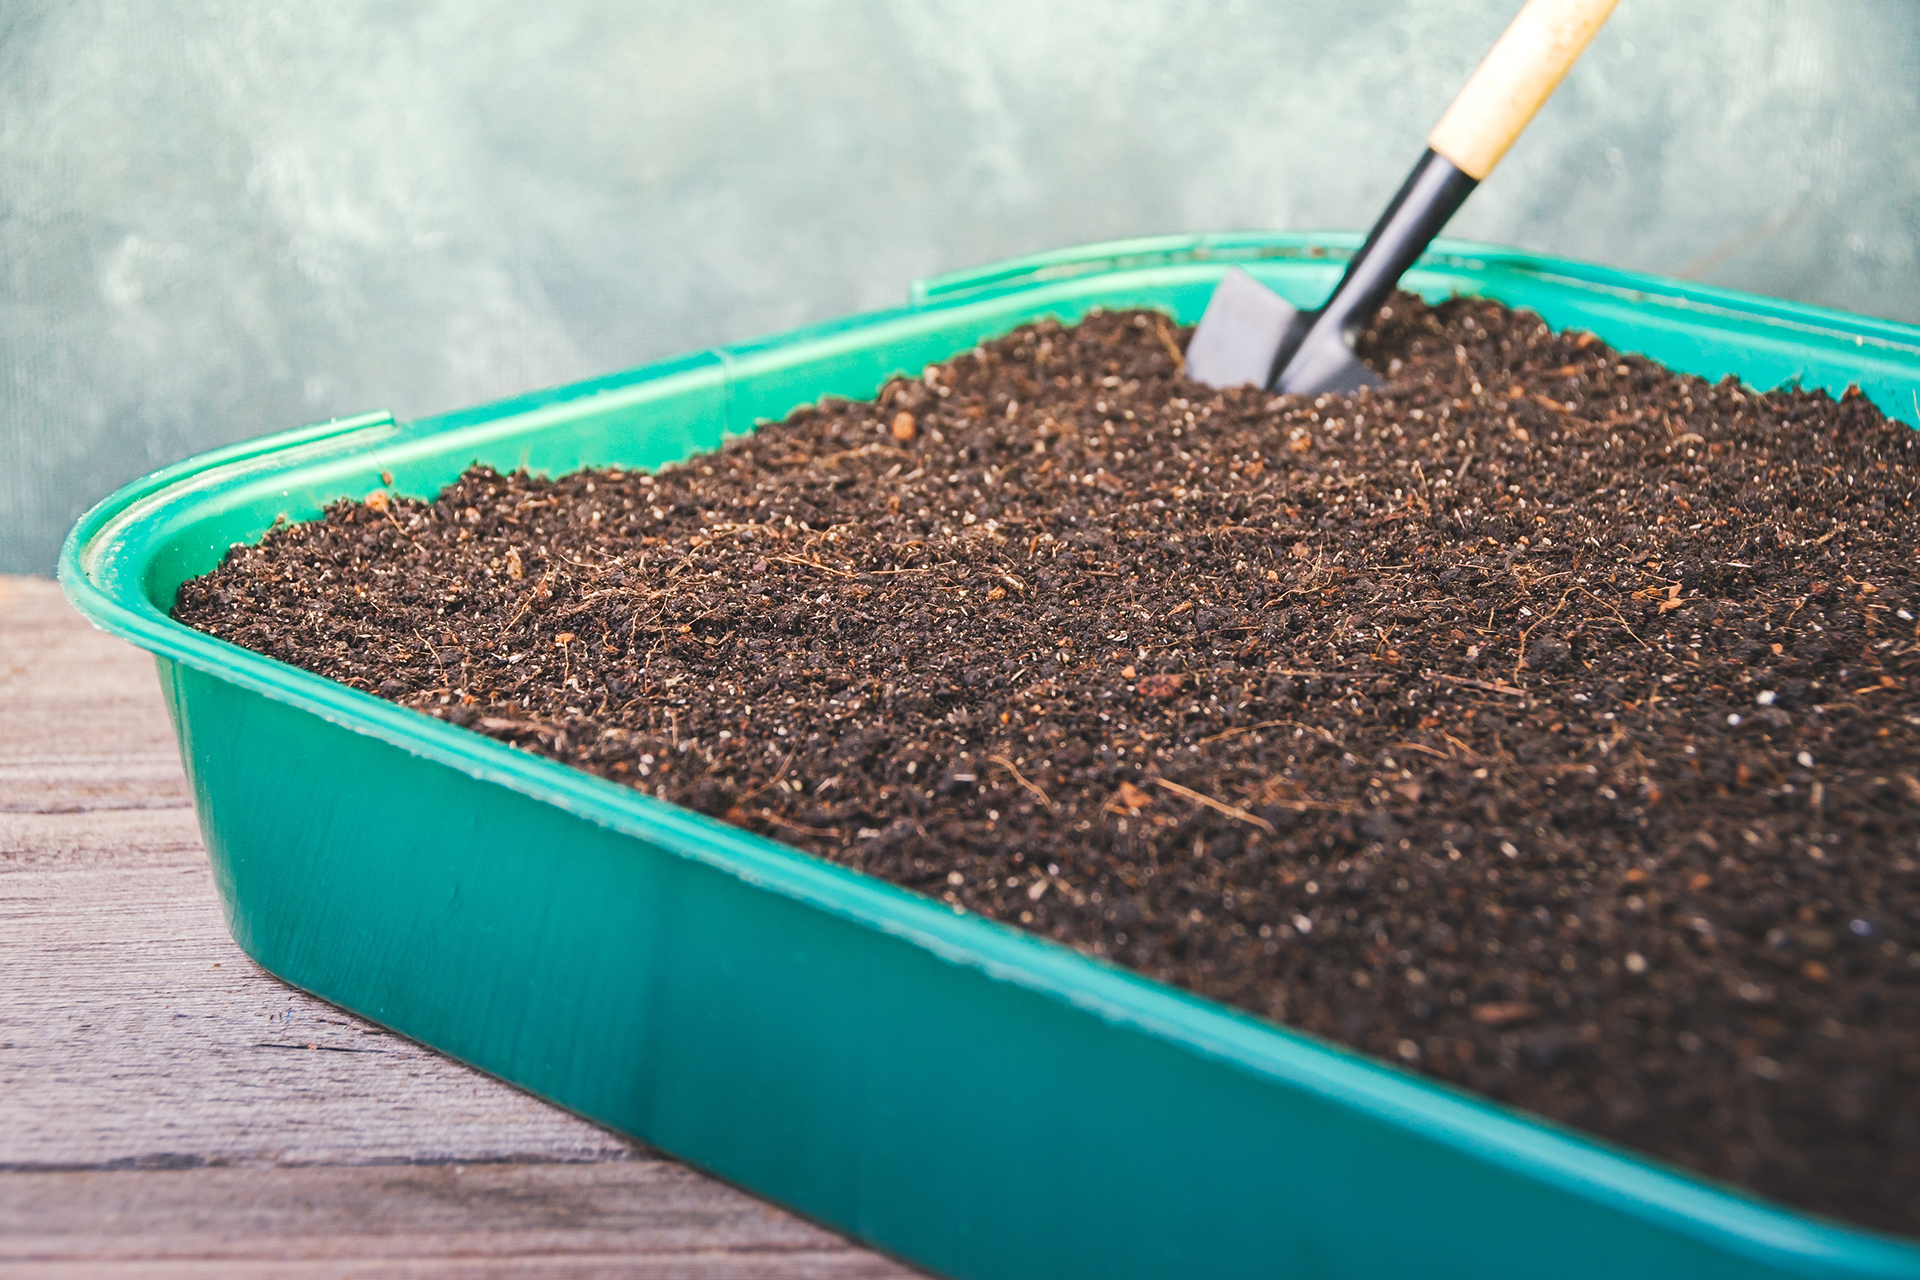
[1544,722]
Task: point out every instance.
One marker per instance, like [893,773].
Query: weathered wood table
[168,1108]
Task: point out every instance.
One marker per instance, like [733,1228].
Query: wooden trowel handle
[1519,72]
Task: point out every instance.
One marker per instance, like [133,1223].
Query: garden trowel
[1250,334]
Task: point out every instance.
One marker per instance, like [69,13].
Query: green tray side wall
[966,1096]
[919,1100]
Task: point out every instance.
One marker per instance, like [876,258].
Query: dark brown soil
[1545,722]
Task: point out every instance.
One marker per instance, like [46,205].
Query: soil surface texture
[1545,721]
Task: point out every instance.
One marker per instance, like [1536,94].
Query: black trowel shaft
[1430,195]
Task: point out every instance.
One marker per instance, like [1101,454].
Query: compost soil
[1544,722]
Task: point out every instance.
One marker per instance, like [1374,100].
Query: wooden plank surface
[168,1107]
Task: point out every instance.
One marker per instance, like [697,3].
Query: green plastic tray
[955,1092]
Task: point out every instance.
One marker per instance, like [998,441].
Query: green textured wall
[223,219]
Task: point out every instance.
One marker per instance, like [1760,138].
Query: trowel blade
[1242,330]
[1240,333]
[1324,363]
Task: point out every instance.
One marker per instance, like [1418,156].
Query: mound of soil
[1545,721]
